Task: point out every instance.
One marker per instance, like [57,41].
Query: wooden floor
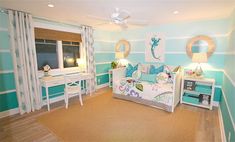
[25,128]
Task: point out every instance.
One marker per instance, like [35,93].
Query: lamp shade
[199,57]
[119,55]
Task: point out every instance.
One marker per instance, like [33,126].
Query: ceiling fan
[120,18]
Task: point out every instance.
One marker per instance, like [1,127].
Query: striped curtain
[87,42]
[25,62]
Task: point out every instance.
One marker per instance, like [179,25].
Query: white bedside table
[198,92]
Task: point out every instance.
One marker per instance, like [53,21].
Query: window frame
[65,28]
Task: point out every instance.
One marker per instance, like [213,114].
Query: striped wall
[227,101]
[8,99]
[104,55]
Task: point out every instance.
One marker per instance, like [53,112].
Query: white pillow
[162,78]
[136,75]
[143,68]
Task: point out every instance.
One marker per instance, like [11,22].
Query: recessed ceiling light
[176,12]
[50,5]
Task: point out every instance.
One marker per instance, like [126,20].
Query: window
[46,53]
[58,49]
[70,53]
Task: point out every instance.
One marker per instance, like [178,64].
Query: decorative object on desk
[114,64]
[46,70]
[155,50]
[199,58]
[189,85]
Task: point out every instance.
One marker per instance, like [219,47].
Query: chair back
[72,80]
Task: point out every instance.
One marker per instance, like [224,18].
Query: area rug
[106,119]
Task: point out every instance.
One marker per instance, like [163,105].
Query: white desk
[59,80]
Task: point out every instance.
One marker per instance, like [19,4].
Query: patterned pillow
[162,78]
[136,75]
[130,69]
[144,68]
[156,70]
[148,77]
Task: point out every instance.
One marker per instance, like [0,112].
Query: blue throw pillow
[130,69]
[156,70]
[148,77]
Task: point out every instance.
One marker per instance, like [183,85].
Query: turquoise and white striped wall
[8,98]
[227,105]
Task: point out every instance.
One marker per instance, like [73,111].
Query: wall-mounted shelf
[198,92]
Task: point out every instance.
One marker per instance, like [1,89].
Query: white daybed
[164,96]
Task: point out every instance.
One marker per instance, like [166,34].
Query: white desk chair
[72,87]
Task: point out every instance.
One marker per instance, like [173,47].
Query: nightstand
[198,92]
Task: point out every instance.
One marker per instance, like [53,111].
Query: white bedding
[156,92]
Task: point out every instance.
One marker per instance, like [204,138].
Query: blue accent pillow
[156,70]
[130,69]
[148,77]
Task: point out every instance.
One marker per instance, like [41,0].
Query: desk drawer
[54,83]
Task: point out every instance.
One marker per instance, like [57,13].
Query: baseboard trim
[9,112]
[221,123]
[229,112]
[102,86]
[216,104]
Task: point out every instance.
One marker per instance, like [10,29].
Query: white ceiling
[155,12]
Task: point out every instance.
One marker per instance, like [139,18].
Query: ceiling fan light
[50,5]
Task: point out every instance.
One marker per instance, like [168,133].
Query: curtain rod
[3,10]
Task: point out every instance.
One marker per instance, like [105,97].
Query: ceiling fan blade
[98,18]
[124,15]
[123,26]
[138,22]
[100,24]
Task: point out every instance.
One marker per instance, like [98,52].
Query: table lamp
[199,58]
[119,56]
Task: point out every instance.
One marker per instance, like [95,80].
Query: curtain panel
[25,62]
[87,43]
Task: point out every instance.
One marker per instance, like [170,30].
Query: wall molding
[167,38]
[102,86]
[8,91]
[166,52]
[98,52]
[9,112]
[102,74]
[229,78]
[215,103]
[6,71]
[5,50]
[221,123]
[226,102]
[100,63]
[4,29]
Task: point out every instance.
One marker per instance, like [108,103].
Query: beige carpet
[106,119]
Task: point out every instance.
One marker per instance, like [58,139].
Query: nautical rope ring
[126,45]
